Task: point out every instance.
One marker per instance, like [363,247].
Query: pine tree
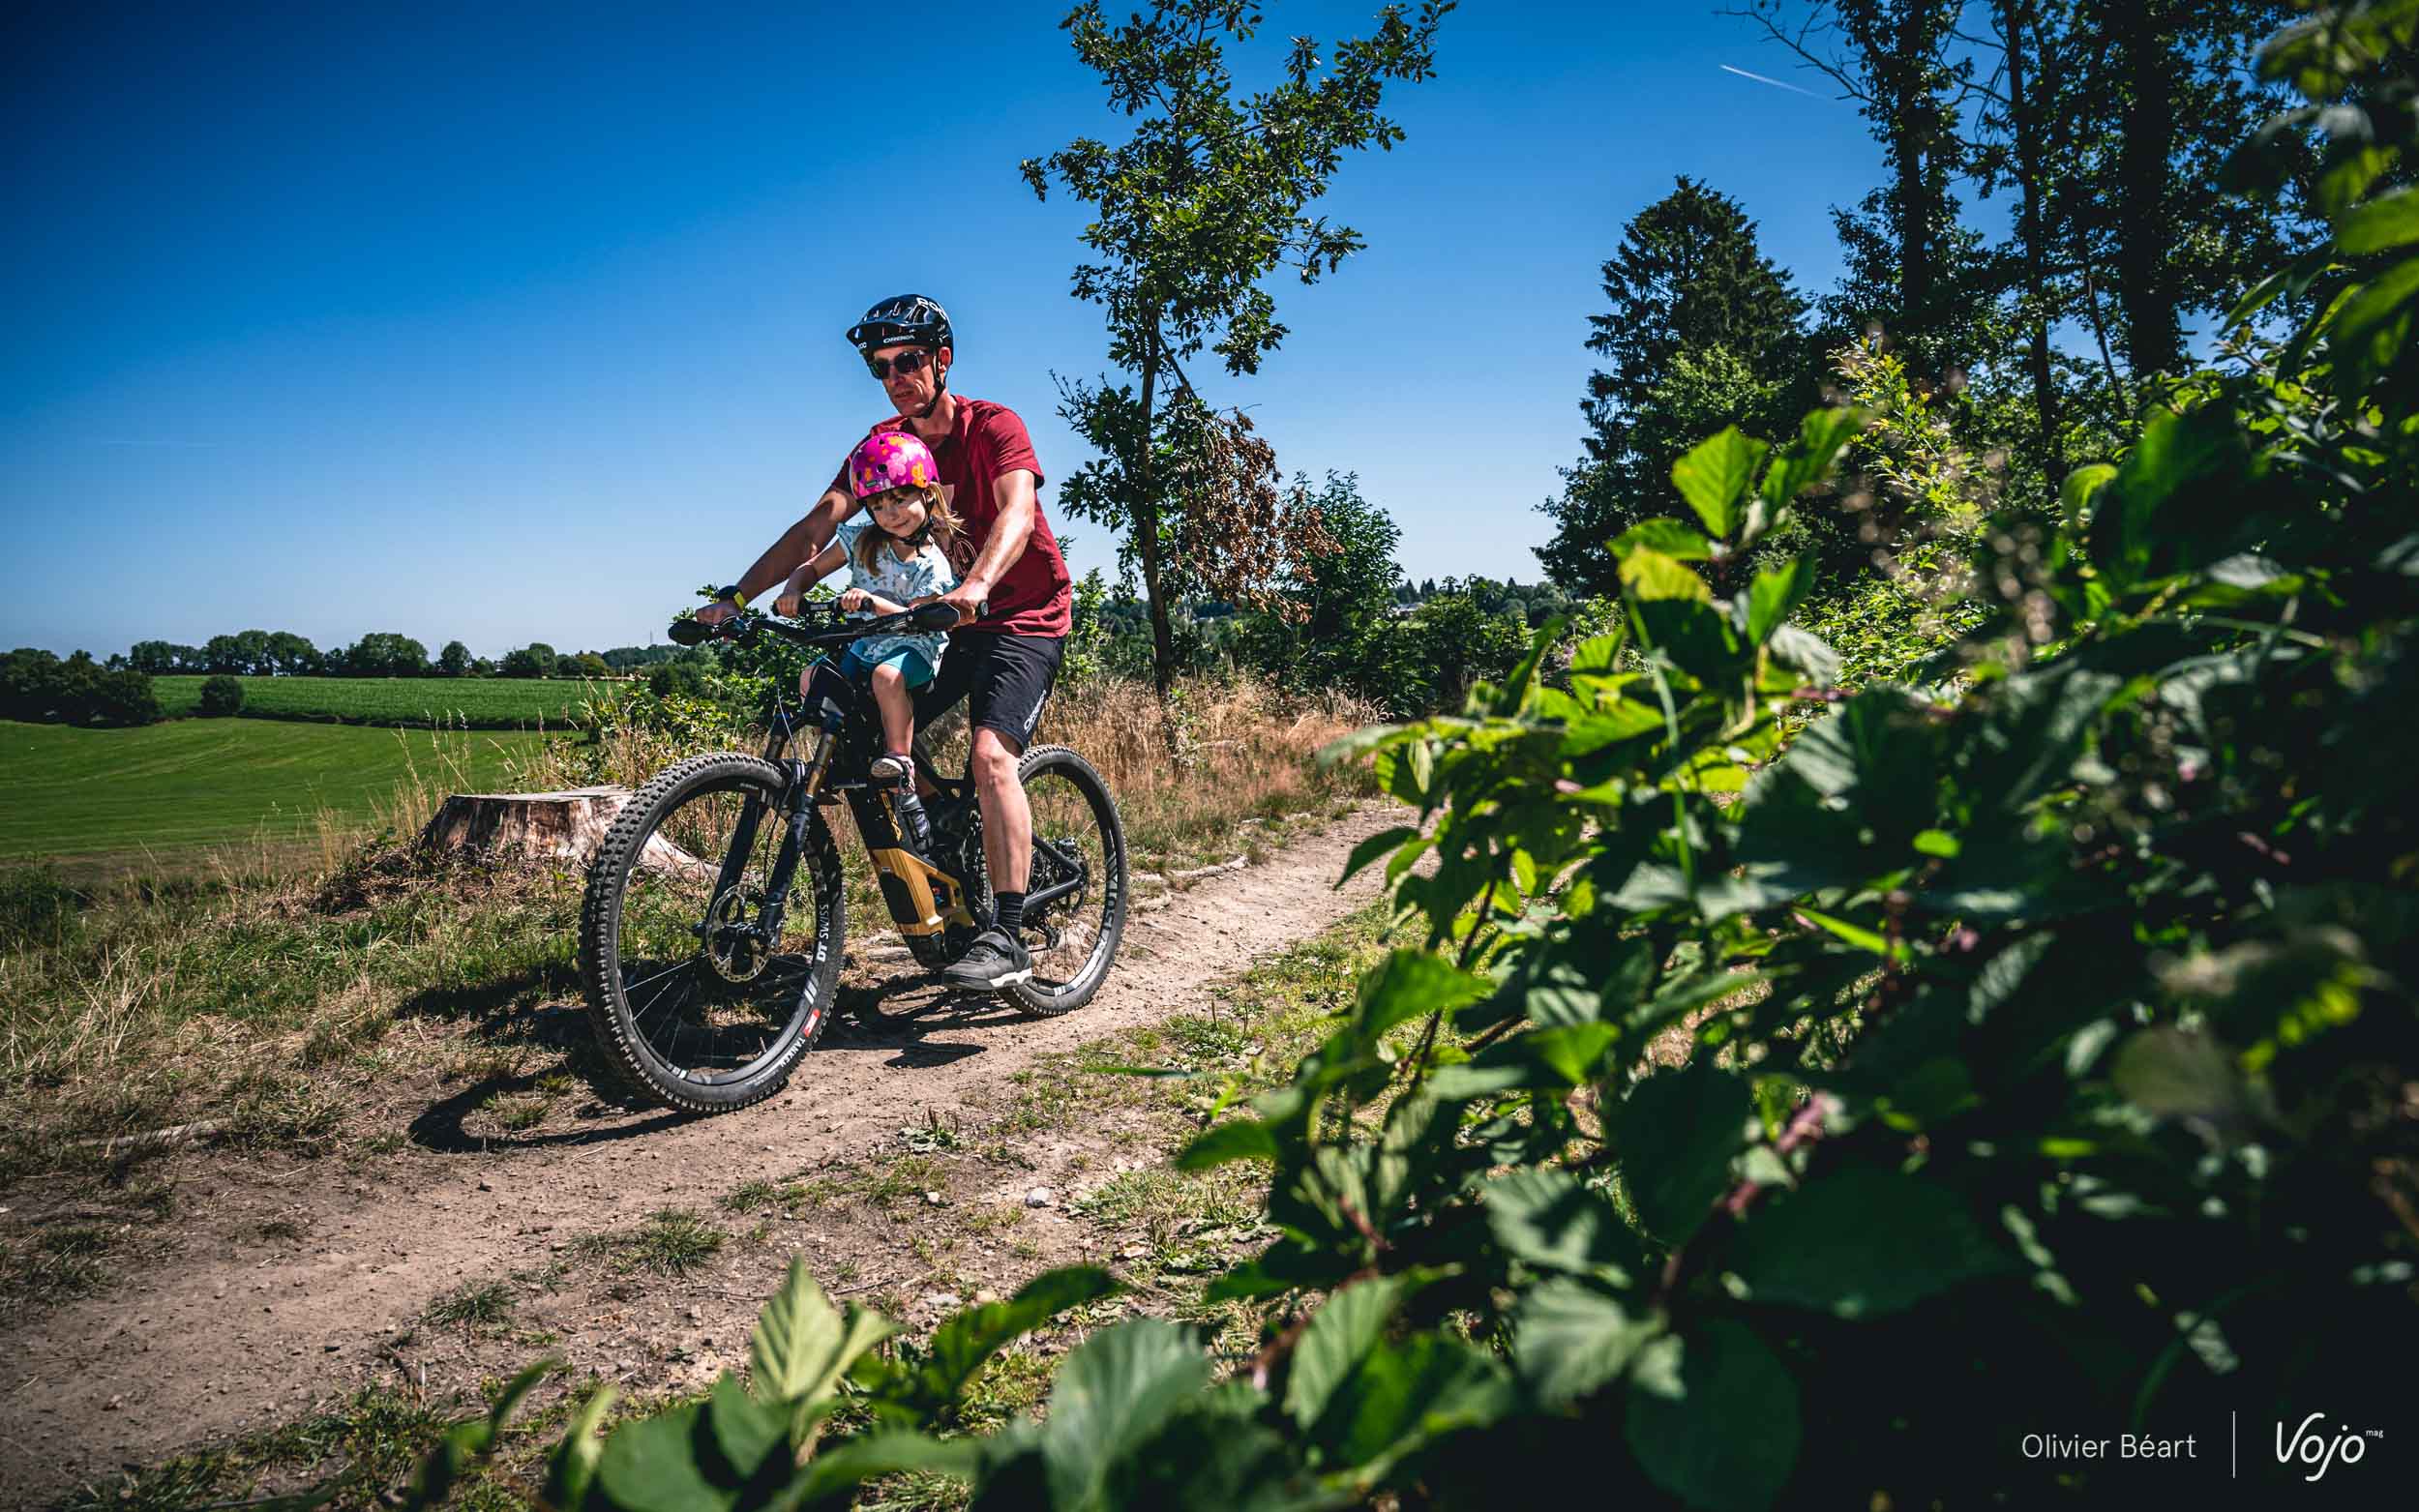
[1701,331]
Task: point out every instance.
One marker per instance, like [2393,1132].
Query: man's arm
[800,543]
[1010,532]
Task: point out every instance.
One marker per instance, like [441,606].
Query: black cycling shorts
[1005,680]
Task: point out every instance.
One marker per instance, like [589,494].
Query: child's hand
[853,600]
[786,606]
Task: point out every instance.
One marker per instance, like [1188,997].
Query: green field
[471,703]
[113,797]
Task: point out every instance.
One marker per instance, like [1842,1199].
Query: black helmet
[903,319]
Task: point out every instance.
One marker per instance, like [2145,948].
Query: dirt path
[239,1331]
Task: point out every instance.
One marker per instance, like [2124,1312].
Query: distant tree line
[280,653]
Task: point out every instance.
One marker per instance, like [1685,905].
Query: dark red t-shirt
[1032,598]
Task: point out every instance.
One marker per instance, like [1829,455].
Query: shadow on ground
[444,1126]
[906,1010]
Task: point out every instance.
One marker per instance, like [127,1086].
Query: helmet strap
[940,385]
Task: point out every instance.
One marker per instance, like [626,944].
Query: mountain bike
[712,933]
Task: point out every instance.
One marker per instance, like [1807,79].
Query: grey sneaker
[991,961]
[888,768]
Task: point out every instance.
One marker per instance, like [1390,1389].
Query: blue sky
[519,322]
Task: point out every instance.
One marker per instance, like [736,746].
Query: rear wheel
[697,1002]
[1078,877]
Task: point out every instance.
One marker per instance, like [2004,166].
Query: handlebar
[742,625]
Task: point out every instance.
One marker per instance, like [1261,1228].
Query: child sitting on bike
[896,563]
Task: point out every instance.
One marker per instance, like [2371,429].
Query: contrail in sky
[1776,83]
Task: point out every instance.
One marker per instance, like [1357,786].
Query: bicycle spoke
[632,986]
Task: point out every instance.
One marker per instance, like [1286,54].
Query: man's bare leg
[1008,816]
[997,957]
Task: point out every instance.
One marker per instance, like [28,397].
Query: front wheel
[701,997]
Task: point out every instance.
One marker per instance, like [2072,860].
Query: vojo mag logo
[2311,1445]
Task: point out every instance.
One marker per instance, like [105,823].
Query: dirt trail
[237,1333]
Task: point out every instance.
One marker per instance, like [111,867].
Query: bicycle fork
[798,798]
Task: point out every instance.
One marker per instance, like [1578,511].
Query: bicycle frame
[922,899]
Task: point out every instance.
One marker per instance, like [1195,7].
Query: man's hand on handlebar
[716,612]
[970,598]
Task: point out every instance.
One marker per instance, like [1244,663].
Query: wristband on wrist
[732,593]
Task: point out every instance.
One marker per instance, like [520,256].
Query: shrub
[221,695]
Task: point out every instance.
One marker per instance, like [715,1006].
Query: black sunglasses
[905,363]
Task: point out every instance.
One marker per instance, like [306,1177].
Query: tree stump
[544,826]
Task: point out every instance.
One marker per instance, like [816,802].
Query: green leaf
[1554,1059]
[1860,1241]
[2181,1074]
[2075,496]
[1609,724]
[571,1467]
[963,1345]
[465,1444]
[803,1344]
[655,1464]
[1596,653]
[2372,327]
[876,1454]
[1652,576]
[1340,1334]
[1515,689]
[1551,1220]
[744,1430]
[1678,1133]
[1110,1397]
[1855,935]
[1776,593]
[1236,1138]
[1411,983]
[1721,1431]
[1376,846]
[1673,538]
[2387,221]
[1570,1338]
[1714,477]
[1405,1396]
[1805,462]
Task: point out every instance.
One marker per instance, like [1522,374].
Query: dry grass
[1240,751]
[265,990]
[1235,750]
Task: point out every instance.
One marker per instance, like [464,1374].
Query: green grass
[472,1305]
[193,783]
[674,1241]
[475,702]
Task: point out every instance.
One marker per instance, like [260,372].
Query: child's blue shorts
[909,661]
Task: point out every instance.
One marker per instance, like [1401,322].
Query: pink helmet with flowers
[890,459]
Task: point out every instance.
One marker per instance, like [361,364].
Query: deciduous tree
[1206,199]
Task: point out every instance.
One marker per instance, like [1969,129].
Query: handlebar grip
[690,633]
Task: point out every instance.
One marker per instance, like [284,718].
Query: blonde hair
[943,520]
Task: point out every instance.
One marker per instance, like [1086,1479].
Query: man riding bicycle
[1013,597]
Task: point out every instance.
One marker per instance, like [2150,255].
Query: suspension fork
[805,777]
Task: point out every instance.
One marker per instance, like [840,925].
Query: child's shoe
[895,766]
[915,828]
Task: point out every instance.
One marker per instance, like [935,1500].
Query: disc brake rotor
[735,945]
